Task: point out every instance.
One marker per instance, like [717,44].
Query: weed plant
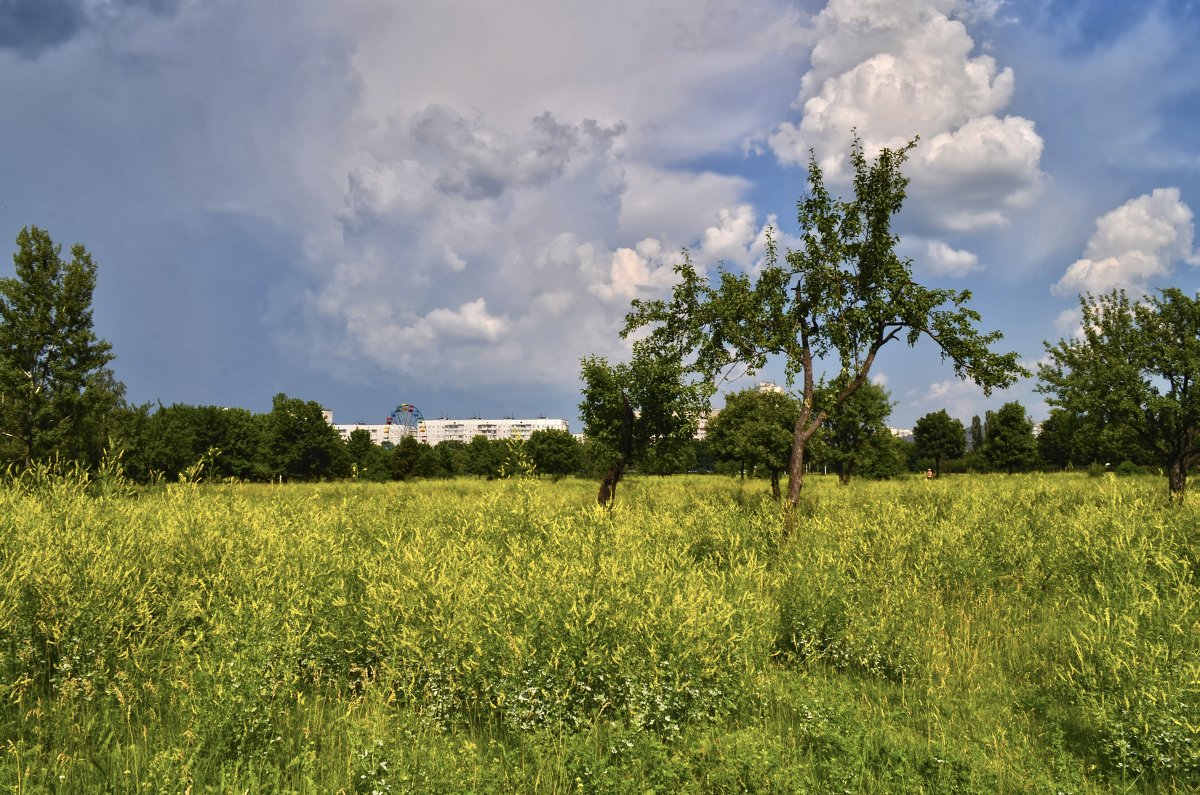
[975,634]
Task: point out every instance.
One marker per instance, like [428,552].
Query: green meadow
[976,634]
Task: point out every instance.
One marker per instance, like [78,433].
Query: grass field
[975,634]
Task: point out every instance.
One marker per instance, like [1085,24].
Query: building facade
[432,432]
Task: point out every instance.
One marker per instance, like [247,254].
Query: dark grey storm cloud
[29,27]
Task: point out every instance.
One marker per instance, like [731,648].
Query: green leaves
[834,302]
[1010,444]
[854,430]
[665,407]
[1134,366]
[53,376]
[755,430]
[939,436]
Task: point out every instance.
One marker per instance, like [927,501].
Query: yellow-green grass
[974,634]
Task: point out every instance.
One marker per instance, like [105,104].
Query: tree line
[61,402]
[1126,384]
[294,442]
[1122,390]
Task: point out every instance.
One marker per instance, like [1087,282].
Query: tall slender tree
[54,381]
[976,440]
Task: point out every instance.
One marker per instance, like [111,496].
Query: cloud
[548,186]
[470,322]
[892,69]
[510,235]
[30,27]
[694,76]
[636,272]
[1069,321]
[731,238]
[947,261]
[972,177]
[1134,246]
[958,397]
[672,203]
[479,162]
[453,261]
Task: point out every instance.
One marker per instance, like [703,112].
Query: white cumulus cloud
[471,322]
[1134,246]
[958,397]
[893,69]
[947,261]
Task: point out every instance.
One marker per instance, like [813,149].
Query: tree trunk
[804,432]
[775,484]
[796,468]
[608,486]
[1177,478]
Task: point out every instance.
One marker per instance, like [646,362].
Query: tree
[484,457]
[369,461]
[643,409]
[298,444]
[976,440]
[1136,366]
[938,436]
[452,458]
[174,438]
[855,429]
[411,458]
[55,386]
[1010,444]
[554,452]
[669,458]
[755,431]
[1056,443]
[885,458]
[702,450]
[842,297]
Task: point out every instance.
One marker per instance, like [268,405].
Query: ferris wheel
[406,420]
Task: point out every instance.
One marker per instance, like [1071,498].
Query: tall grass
[1004,634]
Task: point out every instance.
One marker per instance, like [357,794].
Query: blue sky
[371,202]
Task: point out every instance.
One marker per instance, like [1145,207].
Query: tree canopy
[554,452]
[754,430]
[1010,444]
[855,429]
[939,436]
[1134,366]
[637,410]
[298,443]
[55,385]
[835,302]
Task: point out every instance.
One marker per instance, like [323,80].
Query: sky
[373,202]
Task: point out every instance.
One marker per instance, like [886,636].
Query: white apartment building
[432,432]
[435,431]
[381,433]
